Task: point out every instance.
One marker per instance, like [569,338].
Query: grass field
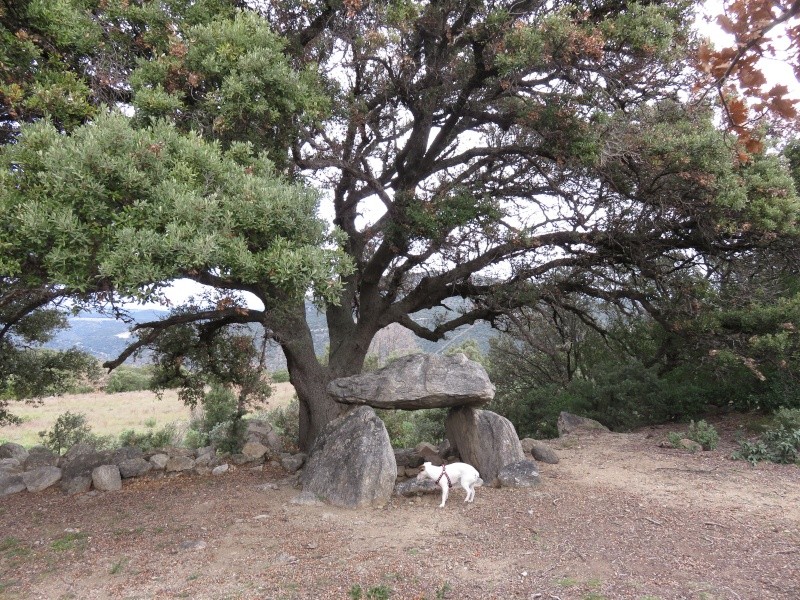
[111,414]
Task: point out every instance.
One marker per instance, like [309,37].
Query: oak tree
[505,152]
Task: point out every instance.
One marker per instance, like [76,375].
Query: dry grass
[111,414]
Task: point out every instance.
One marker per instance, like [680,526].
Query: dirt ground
[618,517]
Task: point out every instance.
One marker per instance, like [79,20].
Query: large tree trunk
[309,377]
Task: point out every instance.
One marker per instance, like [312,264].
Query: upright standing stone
[352,463]
[483,439]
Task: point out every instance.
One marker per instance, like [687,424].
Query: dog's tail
[478,482]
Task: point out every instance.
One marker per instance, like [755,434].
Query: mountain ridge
[105,337]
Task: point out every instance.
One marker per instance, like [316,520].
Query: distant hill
[106,338]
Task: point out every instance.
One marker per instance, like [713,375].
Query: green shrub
[286,420]
[676,440]
[166,436]
[219,406]
[281,376]
[780,443]
[408,428]
[68,430]
[219,423]
[704,434]
[378,592]
[700,432]
[788,418]
[195,439]
[228,436]
[129,379]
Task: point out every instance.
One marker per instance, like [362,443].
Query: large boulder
[41,478]
[569,423]
[125,453]
[77,466]
[134,467]
[483,439]
[81,459]
[179,463]
[418,381]
[10,466]
[522,473]
[12,450]
[11,484]
[352,463]
[107,478]
[39,456]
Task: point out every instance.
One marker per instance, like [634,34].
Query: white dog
[448,475]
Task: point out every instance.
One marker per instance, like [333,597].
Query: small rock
[307,499]
[254,450]
[193,545]
[125,453]
[205,451]
[690,445]
[283,558]
[239,459]
[159,461]
[220,469]
[569,423]
[412,487]
[179,463]
[293,463]
[39,456]
[539,450]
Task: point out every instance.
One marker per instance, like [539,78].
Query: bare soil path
[618,517]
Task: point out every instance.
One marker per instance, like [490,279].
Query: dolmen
[356,445]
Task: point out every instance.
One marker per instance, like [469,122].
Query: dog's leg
[444,495]
[467,488]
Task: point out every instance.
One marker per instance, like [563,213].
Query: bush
[129,379]
[218,424]
[68,430]
[195,439]
[779,444]
[704,434]
[286,420]
[166,436]
[281,376]
[408,428]
[700,432]
[228,436]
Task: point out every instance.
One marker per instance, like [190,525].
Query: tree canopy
[508,152]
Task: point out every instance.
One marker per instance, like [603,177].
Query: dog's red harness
[446,476]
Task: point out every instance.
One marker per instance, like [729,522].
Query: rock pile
[83,467]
